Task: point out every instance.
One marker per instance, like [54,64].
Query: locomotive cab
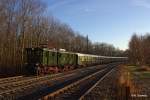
[33,59]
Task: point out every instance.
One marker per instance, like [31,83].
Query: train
[46,61]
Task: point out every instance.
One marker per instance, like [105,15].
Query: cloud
[72,7]
[142,3]
[88,10]
[60,3]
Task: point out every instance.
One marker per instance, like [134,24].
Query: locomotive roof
[59,51]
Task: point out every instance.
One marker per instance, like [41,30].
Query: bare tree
[139,49]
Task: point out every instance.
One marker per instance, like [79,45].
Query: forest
[26,24]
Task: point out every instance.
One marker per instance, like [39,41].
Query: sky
[110,21]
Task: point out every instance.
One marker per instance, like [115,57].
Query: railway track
[8,89]
[11,82]
[13,88]
[78,89]
[10,79]
[106,88]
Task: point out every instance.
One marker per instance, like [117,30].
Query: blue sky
[110,21]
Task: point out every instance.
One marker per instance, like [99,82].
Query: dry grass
[138,81]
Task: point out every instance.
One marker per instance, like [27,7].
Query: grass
[139,72]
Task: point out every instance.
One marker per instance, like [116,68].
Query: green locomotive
[44,60]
